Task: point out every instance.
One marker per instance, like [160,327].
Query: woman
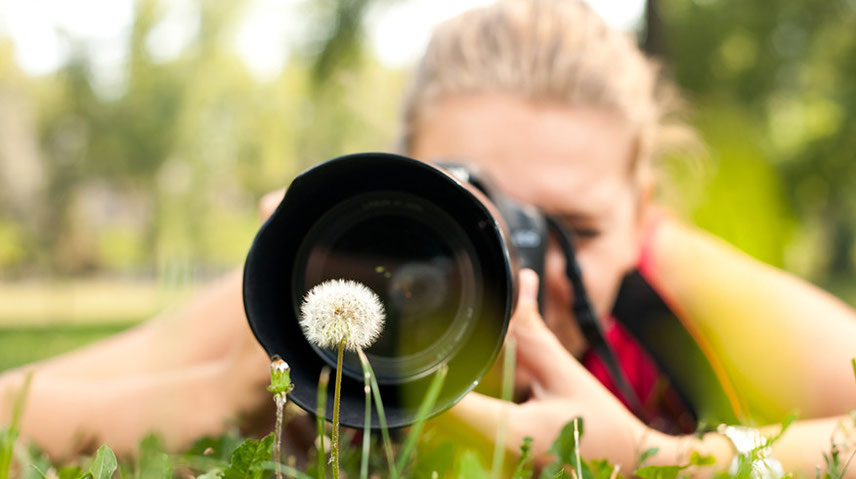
[568,116]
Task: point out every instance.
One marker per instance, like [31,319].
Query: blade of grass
[387,443]
[508,364]
[367,425]
[421,415]
[7,442]
[579,464]
[320,420]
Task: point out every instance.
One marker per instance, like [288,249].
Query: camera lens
[416,258]
[423,241]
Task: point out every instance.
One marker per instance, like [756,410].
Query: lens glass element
[419,262]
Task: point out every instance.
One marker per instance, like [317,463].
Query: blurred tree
[22,172]
[785,69]
[164,176]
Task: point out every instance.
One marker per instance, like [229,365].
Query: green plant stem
[320,420]
[387,443]
[367,425]
[421,415]
[577,448]
[279,399]
[7,440]
[508,364]
[334,450]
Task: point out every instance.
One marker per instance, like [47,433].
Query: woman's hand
[562,389]
[269,202]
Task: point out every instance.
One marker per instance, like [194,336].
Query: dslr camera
[439,245]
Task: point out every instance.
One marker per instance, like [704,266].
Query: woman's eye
[586,233]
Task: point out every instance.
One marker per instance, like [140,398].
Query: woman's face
[572,163]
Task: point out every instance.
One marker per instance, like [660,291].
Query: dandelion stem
[279,399]
[335,446]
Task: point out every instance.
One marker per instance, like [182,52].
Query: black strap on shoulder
[660,332]
[587,320]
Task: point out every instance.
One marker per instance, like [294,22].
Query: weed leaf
[697,459]
[69,472]
[564,449]
[104,464]
[659,472]
[249,458]
[602,469]
[212,474]
[218,448]
[524,465]
[154,462]
[647,454]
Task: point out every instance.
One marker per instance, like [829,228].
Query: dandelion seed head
[342,311]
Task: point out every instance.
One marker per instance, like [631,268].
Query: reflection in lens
[420,287]
[416,258]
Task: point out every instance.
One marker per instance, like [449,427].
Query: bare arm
[800,449]
[785,344]
[181,375]
[564,390]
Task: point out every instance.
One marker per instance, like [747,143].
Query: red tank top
[663,407]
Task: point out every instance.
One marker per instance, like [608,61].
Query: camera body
[440,246]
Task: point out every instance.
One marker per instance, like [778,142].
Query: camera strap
[587,320]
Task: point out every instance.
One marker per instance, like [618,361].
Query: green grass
[24,344]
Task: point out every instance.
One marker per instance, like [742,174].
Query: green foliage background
[160,178]
[167,174]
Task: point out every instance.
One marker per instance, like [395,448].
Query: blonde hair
[543,50]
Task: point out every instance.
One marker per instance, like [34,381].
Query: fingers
[538,350]
[527,296]
[269,202]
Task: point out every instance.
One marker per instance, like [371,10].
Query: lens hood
[431,246]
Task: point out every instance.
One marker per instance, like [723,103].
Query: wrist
[678,449]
